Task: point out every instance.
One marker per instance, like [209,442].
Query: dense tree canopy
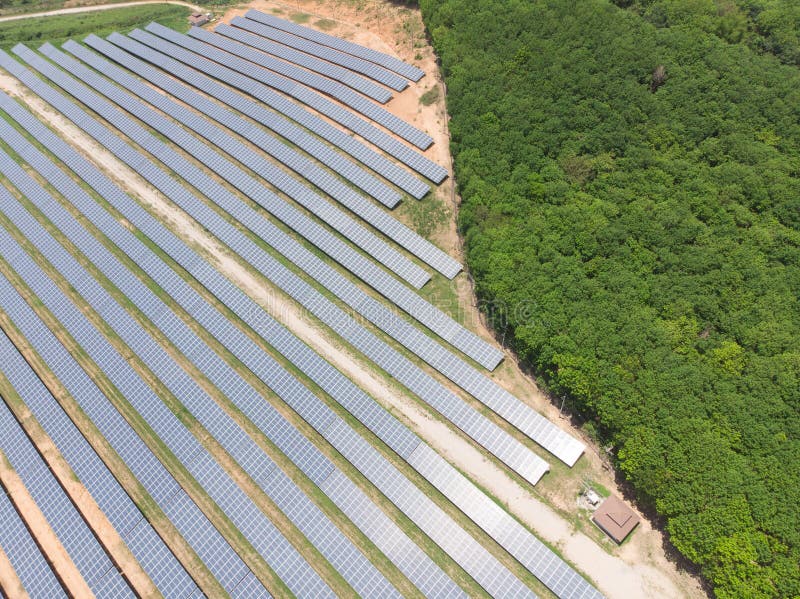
[640,186]
[771,26]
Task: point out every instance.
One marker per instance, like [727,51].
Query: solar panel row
[277,429]
[347,61]
[191,523]
[550,569]
[253,524]
[75,535]
[538,428]
[293,133]
[159,563]
[318,415]
[331,185]
[317,125]
[336,90]
[378,527]
[477,426]
[351,564]
[386,142]
[348,48]
[332,110]
[305,226]
[335,72]
[30,565]
[399,294]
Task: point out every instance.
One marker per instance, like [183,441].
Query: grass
[429,97]
[425,216]
[300,17]
[325,24]
[58,29]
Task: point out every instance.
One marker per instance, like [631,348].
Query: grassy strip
[59,28]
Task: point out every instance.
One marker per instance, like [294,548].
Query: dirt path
[10,584]
[79,9]
[47,540]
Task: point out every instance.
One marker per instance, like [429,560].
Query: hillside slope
[641,187]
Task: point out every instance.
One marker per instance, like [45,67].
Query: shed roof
[615,518]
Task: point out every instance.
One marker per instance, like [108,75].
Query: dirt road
[78,9]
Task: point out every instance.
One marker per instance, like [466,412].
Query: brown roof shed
[197,19]
[615,518]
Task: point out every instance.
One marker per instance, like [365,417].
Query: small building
[615,518]
[197,19]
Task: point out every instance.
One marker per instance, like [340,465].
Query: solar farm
[170,429]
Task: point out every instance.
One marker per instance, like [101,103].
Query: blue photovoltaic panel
[538,428]
[335,72]
[550,569]
[493,576]
[360,412]
[248,185]
[190,522]
[477,426]
[293,133]
[380,280]
[249,520]
[243,513]
[30,565]
[323,39]
[158,562]
[319,51]
[336,90]
[353,565]
[316,124]
[376,525]
[304,167]
[447,328]
[75,535]
[520,415]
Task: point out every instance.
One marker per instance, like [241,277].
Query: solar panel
[359,412]
[30,565]
[464,417]
[192,524]
[551,570]
[252,523]
[513,410]
[294,134]
[305,226]
[158,562]
[335,72]
[392,289]
[348,48]
[300,399]
[331,185]
[347,143]
[352,63]
[288,497]
[313,81]
[67,523]
[119,371]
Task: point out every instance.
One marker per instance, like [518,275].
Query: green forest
[633,172]
[771,26]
